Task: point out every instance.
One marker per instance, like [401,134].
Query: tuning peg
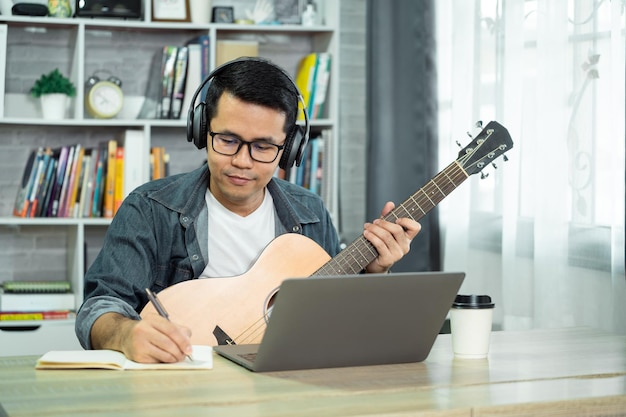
[458,144]
[483,175]
[493,164]
[470,135]
[505,158]
[479,123]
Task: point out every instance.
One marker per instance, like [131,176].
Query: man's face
[238,181]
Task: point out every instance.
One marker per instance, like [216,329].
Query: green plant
[53,82]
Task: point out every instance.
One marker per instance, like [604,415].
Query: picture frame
[289,12]
[171,11]
[223,15]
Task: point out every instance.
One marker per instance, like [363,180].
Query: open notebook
[111,359]
[351,320]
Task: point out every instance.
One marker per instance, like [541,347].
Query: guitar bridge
[221,337]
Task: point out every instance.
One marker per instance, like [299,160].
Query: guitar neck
[356,256]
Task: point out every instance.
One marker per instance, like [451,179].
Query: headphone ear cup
[294,148]
[197,127]
[300,142]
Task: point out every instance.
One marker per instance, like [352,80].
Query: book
[36,315]
[118,192]
[166,163]
[83,184]
[322,76]
[109,187]
[193,78]
[36,286]
[89,185]
[198,68]
[42,168]
[45,193]
[167,72]
[136,163]
[114,360]
[314,165]
[180,78]
[53,205]
[36,302]
[305,79]
[65,181]
[77,168]
[156,154]
[99,187]
[28,177]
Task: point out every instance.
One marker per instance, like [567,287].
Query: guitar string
[255,328]
[454,179]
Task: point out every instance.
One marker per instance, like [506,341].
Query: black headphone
[297,137]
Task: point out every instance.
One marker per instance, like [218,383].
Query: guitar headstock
[493,141]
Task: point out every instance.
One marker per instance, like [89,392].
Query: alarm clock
[103,98]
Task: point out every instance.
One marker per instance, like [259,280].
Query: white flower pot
[54,106]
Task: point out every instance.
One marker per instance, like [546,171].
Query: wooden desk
[564,372]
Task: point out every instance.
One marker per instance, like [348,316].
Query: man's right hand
[150,340]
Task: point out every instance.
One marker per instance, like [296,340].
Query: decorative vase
[6,7]
[53,106]
[200,11]
[59,8]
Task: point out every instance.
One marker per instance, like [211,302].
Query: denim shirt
[159,237]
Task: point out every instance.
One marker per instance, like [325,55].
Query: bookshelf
[63,248]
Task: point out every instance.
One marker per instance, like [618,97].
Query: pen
[160,309]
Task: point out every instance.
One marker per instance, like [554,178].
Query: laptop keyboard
[248,356]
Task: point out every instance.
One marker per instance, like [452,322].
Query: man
[213,221]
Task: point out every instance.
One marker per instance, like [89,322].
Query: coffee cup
[471,319]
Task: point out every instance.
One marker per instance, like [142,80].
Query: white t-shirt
[235,242]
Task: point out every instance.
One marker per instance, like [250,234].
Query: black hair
[255,81]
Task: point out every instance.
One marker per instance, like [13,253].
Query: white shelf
[30,324]
[284,44]
[54,221]
[146,25]
[139,123]
[37,337]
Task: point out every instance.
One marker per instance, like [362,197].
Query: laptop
[351,320]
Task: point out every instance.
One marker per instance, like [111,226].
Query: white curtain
[543,234]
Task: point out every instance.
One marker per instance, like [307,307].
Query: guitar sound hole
[269,304]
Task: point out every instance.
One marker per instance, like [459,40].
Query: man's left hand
[392,240]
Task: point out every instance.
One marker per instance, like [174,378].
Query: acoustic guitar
[234,310]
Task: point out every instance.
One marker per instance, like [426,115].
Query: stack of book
[312,79]
[78,181]
[182,70]
[309,173]
[36,300]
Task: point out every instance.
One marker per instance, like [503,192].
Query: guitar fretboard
[356,256]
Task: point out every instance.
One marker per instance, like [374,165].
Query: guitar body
[238,304]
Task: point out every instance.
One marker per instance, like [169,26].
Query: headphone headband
[297,136]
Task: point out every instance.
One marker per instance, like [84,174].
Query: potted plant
[53,89]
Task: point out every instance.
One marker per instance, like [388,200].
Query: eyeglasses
[259,150]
